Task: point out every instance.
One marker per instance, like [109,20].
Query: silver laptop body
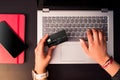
[71,52]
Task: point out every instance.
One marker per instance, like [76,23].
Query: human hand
[96,47]
[42,59]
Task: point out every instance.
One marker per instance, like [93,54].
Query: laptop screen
[77,4]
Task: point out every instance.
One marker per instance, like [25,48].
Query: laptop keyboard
[75,27]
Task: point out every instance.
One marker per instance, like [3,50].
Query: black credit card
[57,38]
[10,40]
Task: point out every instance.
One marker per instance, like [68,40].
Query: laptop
[75,19]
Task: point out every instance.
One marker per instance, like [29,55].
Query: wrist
[108,62]
[103,60]
[39,70]
[42,76]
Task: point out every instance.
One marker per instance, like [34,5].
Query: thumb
[84,45]
[50,51]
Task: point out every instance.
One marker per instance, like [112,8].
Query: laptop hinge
[45,9]
[104,10]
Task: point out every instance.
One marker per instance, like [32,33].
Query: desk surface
[57,72]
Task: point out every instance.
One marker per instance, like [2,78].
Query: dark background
[27,7]
[58,71]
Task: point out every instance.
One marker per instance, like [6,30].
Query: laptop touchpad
[73,53]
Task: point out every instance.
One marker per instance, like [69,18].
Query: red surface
[17,23]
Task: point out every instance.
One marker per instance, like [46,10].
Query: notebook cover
[17,23]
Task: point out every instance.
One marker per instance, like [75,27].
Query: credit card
[57,38]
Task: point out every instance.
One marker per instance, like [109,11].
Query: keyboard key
[75,26]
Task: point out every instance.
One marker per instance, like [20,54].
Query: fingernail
[54,46]
[81,41]
[88,30]
[46,34]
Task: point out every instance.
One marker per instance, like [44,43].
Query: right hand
[96,47]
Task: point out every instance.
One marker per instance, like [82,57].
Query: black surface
[10,40]
[27,7]
[78,4]
[58,71]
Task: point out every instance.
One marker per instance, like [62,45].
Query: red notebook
[17,23]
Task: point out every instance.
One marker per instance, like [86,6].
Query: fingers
[100,36]
[41,43]
[43,40]
[89,36]
[50,51]
[84,45]
[95,35]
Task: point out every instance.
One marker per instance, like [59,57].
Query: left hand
[42,59]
